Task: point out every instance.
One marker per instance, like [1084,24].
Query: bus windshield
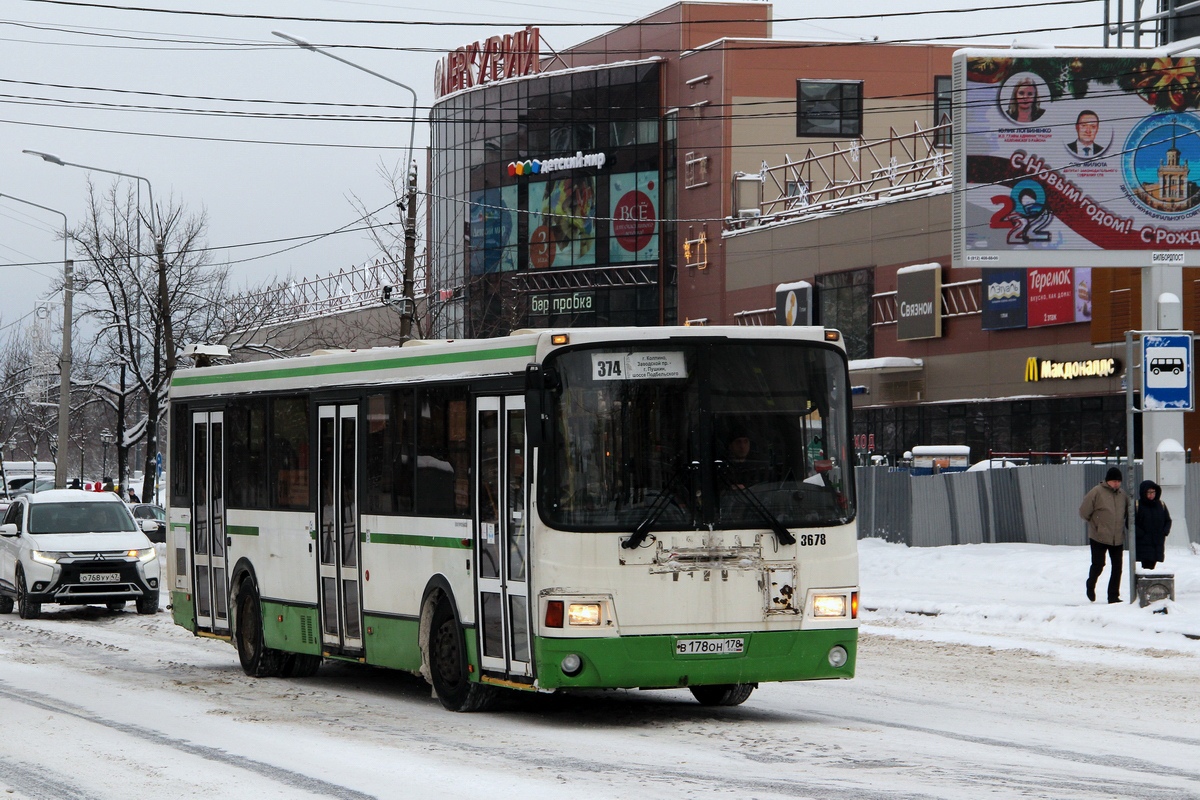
[680,435]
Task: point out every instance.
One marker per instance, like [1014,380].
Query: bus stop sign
[1167,371]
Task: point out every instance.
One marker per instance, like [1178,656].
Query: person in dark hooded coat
[1152,523]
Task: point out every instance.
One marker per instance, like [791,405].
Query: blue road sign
[1167,371]
[158,462]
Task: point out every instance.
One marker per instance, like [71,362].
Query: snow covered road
[1010,690]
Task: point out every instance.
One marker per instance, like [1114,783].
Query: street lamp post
[65,358]
[159,249]
[410,224]
[164,304]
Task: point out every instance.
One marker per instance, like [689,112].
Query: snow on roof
[890,363]
[941,450]
[919,268]
[788,287]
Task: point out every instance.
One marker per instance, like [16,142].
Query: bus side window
[289,452]
[443,456]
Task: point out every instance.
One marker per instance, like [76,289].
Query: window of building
[943,107]
[829,108]
[845,303]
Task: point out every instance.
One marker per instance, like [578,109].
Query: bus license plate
[99,577]
[709,647]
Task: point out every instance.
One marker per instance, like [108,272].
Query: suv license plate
[709,647]
[99,577]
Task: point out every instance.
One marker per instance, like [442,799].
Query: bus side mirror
[535,401]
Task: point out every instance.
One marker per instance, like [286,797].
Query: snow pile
[1026,596]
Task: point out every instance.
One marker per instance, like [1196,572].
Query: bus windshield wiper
[780,530]
[658,507]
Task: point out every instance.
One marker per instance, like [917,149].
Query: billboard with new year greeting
[1072,159]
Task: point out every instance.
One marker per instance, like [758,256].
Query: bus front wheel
[258,660]
[723,694]
[448,664]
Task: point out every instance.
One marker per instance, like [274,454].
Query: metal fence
[1034,504]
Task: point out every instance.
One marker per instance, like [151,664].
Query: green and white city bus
[584,508]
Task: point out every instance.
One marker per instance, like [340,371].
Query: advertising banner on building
[494,230]
[1051,296]
[1003,299]
[1069,159]
[562,222]
[633,211]
[1083,294]
[919,302]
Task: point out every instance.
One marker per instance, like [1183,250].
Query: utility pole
[64,373]
[164,309]
[64,359]
[410,253]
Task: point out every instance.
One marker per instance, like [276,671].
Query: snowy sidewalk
[1025,596]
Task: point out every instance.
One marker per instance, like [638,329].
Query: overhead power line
[476,23]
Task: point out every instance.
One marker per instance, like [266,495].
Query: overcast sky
[262,179]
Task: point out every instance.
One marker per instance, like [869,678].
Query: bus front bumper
[660,662]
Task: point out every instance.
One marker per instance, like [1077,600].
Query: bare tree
[144,306]
[387,232]
[26,421]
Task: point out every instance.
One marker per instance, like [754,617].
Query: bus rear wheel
[723,694]
[448,664]
[258,660]
[300,665]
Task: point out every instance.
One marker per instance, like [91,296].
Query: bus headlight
[583,614]
[829,605]
[571,665]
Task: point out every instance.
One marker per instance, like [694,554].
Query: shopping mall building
[688,167]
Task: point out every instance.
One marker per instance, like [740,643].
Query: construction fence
[1033,504]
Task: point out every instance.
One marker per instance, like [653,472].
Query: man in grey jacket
[1105,508]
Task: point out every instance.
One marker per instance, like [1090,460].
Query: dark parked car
[150,511]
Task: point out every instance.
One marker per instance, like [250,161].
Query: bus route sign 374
[1167,371]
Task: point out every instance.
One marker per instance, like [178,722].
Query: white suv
[74,547]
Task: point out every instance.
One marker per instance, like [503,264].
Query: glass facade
[1050,424]
[535,177]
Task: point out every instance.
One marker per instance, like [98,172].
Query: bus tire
[448,664]
[26,608]
[723,694]
[258,660]
[300,665]
[6,604]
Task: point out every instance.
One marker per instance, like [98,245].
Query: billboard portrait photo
[1075,159]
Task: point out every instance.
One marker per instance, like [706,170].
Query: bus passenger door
[501,525]
[209,581]
[337,526]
